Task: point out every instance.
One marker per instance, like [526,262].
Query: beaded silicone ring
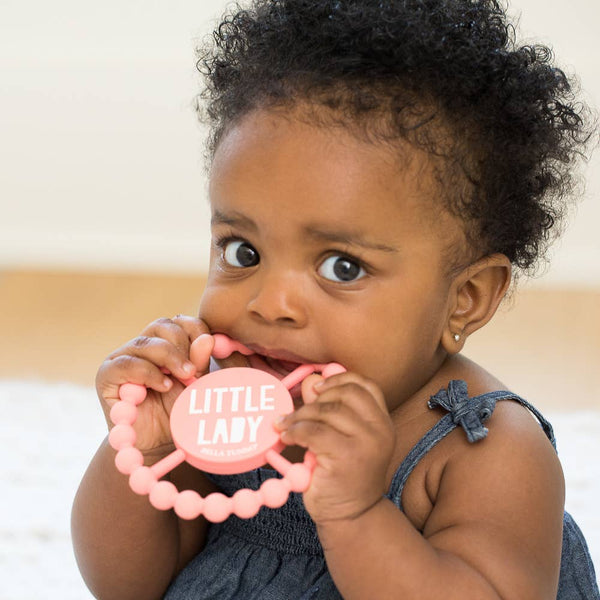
[221,423]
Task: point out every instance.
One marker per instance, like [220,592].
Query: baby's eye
[238,253]
[341,268]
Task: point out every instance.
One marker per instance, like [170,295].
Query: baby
[379,171]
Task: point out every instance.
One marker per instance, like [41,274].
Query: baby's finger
[183,332]
[160,352]
[193,326]
[319,437]
[129,369]
[337,414]
[201,350]
[170,330]
[348,381]
[309,394]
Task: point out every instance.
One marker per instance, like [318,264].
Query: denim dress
[277,555]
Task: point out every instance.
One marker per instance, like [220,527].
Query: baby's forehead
[271,143]
[329,180]
[333,151]
[319,127]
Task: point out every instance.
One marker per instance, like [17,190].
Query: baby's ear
[474,297]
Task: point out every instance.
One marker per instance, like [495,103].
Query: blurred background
[104,223]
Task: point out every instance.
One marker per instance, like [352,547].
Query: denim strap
[470,414]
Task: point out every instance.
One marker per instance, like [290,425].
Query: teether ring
[222,423]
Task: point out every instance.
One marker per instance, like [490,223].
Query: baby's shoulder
[514,454]
[513,436]
[514,441]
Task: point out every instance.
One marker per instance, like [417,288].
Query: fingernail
[319,384]
[167,382]
[189,368]
[202,338]
[279,421]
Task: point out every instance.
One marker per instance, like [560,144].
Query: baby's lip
[279,363]
[288,360]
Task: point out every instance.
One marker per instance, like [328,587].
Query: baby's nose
[280,299]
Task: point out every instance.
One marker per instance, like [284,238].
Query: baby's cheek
[215,306]
[213,312]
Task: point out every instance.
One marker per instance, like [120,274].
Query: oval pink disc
[224,420]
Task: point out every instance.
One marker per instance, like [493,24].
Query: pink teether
[221,423]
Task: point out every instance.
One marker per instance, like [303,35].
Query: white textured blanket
[50,431]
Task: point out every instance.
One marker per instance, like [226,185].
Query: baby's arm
[125,548]
[495,527]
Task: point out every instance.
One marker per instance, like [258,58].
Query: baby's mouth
[275,366]
[280,368]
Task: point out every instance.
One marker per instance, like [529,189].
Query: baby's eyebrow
[233,218]
[350,238]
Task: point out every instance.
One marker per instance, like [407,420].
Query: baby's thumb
[200,352]
[308,391]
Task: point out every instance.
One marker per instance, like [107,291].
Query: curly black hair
[501,121]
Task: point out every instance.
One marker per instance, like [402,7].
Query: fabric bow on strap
[469,413]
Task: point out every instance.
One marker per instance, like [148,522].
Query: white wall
[100,153]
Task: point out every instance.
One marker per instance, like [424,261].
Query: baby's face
[328,249]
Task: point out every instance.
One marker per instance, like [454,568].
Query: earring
[457,337]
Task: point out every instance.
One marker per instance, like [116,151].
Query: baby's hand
[345,423]
[163,346]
